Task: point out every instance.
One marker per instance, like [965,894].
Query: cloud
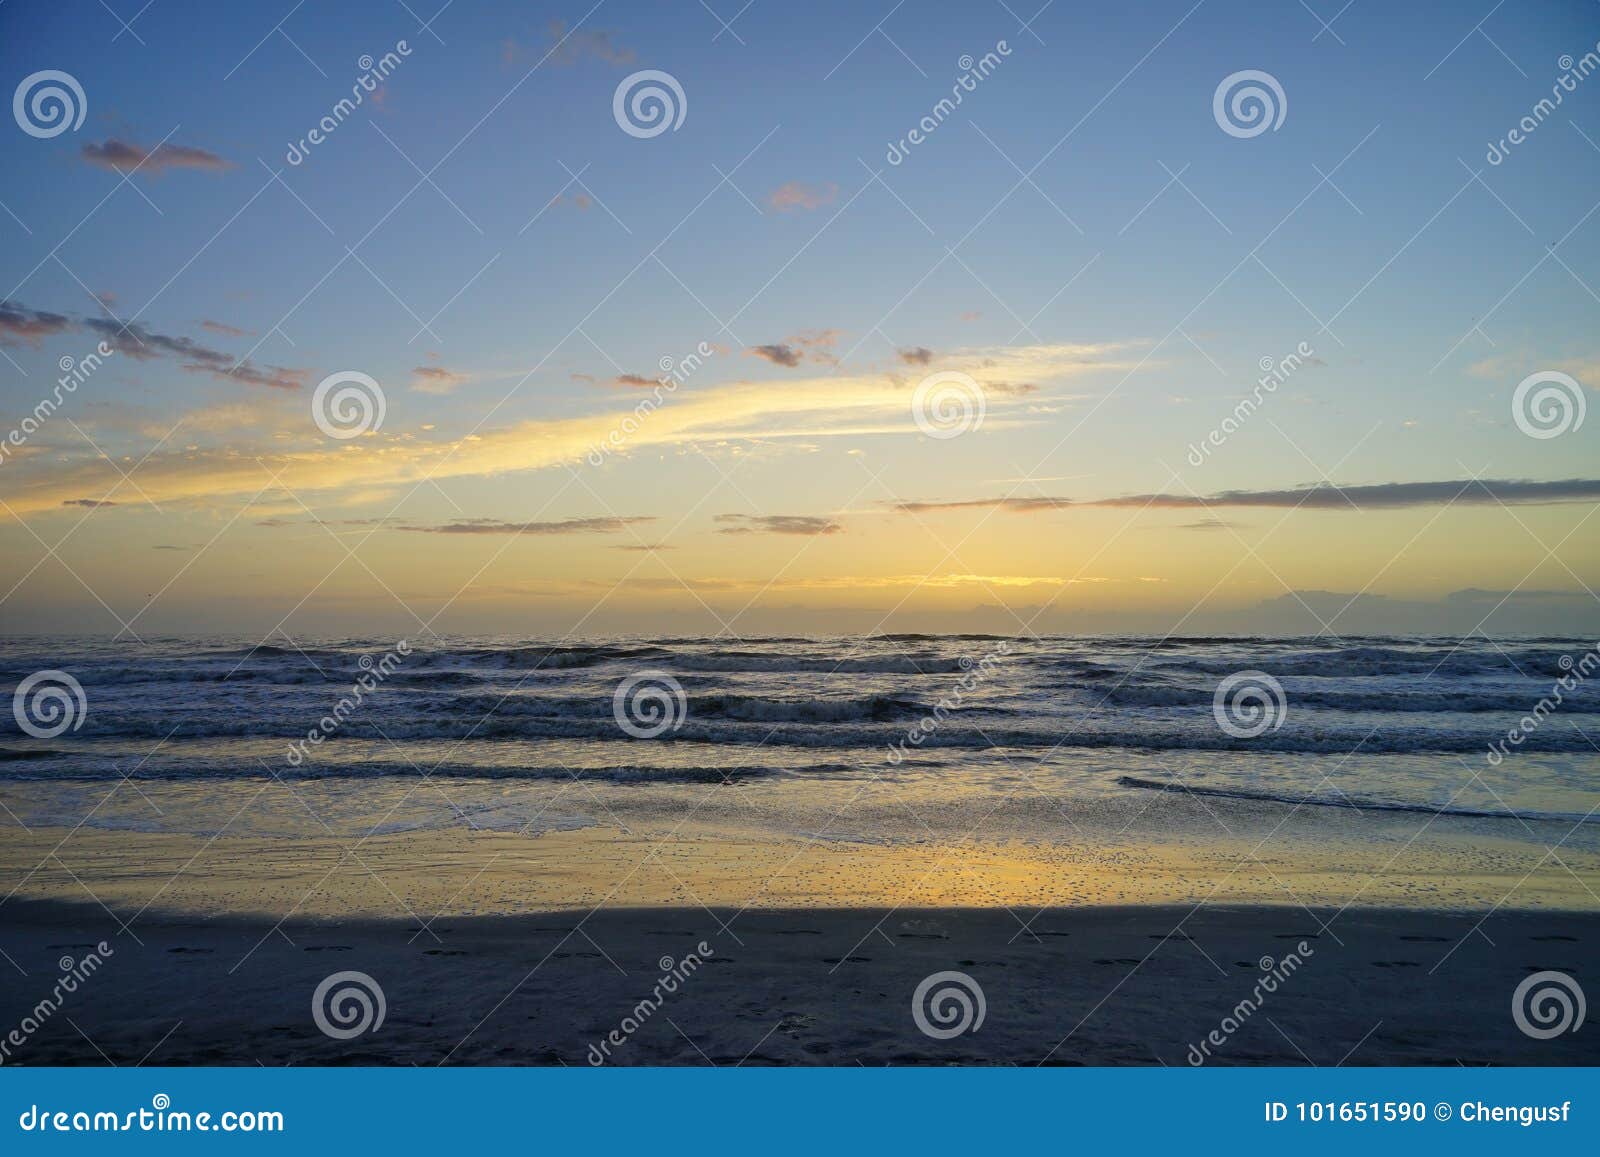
[779,354]
[1016,505]
[609,525]
[135,340]
[569,47]
[1207,524]
[18,323]
[1016,389]
[776,524]
[637,380]
[644,547]
[437,380]
[1475,595]
[953,581]
[815,345]
[164,546]
[807,407]
[1323,496]
[795,195]
[123,157]
[219,327]
[91,503]
[916,356]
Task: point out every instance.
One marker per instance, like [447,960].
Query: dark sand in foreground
[1123,986]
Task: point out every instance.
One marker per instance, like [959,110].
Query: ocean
[881,739]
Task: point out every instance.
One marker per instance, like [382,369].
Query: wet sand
[1406,945]
[1133,985]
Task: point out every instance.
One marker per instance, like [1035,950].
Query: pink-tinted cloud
[124,157]
[796,195]
[19,324]
[437,380]
[778,353]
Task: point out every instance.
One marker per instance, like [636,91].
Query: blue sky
[1130,250]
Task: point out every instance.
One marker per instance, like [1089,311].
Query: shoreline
[1306,858]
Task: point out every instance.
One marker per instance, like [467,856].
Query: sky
[987,365]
